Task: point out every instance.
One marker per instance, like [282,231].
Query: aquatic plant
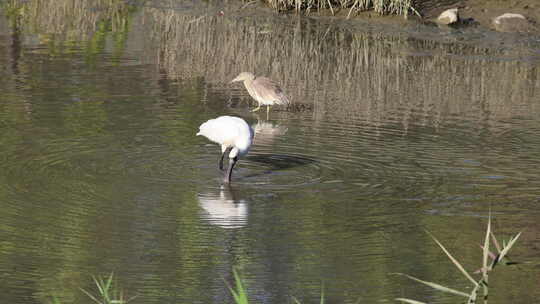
[499,258]
[321,301]
[240,294]
[398,7]
[107,291]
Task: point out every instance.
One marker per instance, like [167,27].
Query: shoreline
[479,13]
[484,11]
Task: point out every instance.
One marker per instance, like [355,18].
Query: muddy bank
[471,12]
[482,12]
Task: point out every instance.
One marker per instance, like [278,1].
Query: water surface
[389,135]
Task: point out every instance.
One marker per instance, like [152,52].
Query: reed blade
[436,286]
[410,301]
[485,251]
[473,295]
[456,263]
[505,250]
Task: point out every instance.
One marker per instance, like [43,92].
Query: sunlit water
[101,170]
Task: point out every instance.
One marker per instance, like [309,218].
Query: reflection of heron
[266,131]
[223,210]
[263,90]
[233,134]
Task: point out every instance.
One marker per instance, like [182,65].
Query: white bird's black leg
[232,162]
[227,151]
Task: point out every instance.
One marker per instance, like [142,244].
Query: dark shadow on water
[275,162]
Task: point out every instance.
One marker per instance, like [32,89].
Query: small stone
[449,16]
[511,23]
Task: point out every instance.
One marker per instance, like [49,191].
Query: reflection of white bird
[233,134]
[263,90]
[223,210]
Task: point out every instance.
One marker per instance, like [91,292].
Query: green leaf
[239,295]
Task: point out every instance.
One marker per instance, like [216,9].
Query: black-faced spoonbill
[263,90]
[233,134]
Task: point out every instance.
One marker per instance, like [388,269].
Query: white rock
[498,20]
[511,23]
[449,16]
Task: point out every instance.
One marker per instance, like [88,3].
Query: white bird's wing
[222,130]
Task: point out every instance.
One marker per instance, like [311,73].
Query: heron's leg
[227,151]
[227,177]
[257,108]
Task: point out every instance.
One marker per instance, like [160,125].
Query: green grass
[489,261]
[107,291]
[239,294]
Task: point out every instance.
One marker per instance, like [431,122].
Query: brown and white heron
[264,90]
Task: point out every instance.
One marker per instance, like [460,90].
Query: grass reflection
[342,71]
[349,74]
[65,25]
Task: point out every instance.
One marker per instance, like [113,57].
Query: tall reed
[398,7]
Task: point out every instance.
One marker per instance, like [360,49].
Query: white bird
[264,90]
[233,134]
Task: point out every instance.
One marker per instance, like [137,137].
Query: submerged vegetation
[398,7]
